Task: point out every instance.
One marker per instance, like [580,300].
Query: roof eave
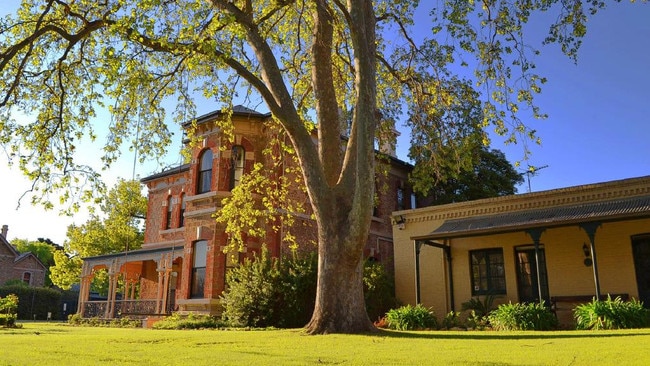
[535,225]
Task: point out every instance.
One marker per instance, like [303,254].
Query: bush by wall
[281,293]
[34,302]
[518,316]
[266,292]
[411,318]
[191,321]
[611,314]
[378,290]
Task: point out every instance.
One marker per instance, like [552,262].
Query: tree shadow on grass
[489,335]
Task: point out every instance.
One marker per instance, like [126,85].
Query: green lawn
[59,344]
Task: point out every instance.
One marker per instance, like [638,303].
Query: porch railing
[124,308]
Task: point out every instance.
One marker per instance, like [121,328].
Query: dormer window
[205,173]
[238,157]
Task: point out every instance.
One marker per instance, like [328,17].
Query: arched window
[238,157]
[205,173]
[199,260]
[168,218]
[181,214]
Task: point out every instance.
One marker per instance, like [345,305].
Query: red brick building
[183,261]
[25,267]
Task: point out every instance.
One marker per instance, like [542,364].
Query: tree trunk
[340,305]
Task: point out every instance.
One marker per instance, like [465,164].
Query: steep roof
[17,256]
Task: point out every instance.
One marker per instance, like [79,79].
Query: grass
[60,344]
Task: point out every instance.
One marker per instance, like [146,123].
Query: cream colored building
[565,246]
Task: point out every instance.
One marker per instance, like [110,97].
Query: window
[375,200]
[205,173]
[199,260]
[400,199]
[181,214]
[168,219]
[487,271]
[238,157]
[27,278]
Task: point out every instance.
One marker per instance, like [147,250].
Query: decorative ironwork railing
[135,307]
[124,308]
[95,309]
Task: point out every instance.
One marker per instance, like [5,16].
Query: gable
[6,249]
[29,260]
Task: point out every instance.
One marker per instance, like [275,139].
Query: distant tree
[492,175]
[43,249]
[119,228]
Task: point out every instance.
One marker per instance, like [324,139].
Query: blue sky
[598,127]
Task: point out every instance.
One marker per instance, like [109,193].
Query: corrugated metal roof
[627,208]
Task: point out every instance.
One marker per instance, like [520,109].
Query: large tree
[118,226]
[491,175]
[308,60]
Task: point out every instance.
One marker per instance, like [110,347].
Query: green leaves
[611,314]
[519,316]
[119,228]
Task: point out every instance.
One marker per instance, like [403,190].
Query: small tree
[8,310]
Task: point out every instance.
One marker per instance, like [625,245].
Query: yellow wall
[567,274]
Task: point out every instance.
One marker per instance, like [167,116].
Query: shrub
[452,320]
[378,290]
[297,291]
[191,321]
[35,302]
[250,297]
[381,322]
[611,314]
[123,322]
[480,308]
[518,316]
[411,318]
[8,307]
[479,322]
[266,292]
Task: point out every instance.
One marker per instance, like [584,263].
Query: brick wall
[254,136]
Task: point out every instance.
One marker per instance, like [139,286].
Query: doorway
[527,274]
[641,253]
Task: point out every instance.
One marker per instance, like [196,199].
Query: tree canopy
[306,60]
[491,176]
[118,228]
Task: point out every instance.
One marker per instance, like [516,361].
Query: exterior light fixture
[588,261]
[585,249]
[399,221]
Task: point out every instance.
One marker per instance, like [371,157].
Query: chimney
[388,141]
[5,229]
